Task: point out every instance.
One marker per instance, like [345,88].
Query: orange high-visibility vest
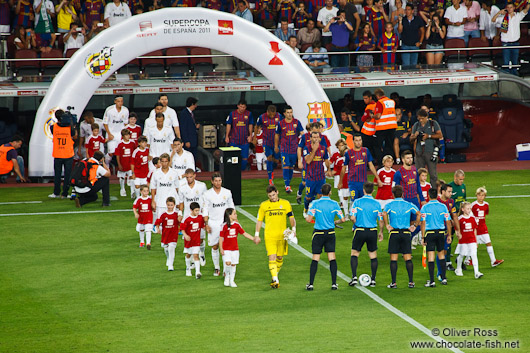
[369,126]
[387,120]
[63,144]
[5,165]
[92,173]
[349,139]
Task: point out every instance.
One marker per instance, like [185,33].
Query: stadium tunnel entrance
[91,65]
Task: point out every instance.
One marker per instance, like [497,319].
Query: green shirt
[459,194]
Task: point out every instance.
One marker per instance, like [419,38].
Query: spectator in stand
[388,44]
[284,32]
[216,5]
[116,12]
[510,27]
[97,27]
[435,35]
[340,30]
[24,14]
[189,127]
[367,5]
[455,17]
[324,16]
[5,16]
[266,13]
[308,34]
[301,16]
[377,17]
[11,161]
[44,15]
[65,15]
[397,15]
[285,11]
[365,42]
[471,25]
[182,3]
[293,43]
[92,11]
[44,42]
[24,38]
[352,17]
[74,39]
[243,11]
[488,28]
[136,4]
[316,57]
[412,32]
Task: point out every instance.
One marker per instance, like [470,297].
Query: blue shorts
[313,188]
[289,159]
[269,151]
[414,201]
[244,149]
[356,189]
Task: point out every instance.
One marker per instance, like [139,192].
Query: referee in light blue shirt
[364,214]
[397,215]
[434,218]
[324,211]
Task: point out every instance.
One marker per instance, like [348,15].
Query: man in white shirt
[324,16]
[510,27]
[216,201]
[116,12]
[85,130]
[114,120]
[98,181]
[160,138]
[164,183]
[193,191]
[181,160]
[455,17]
[170,115]
[488,28]
[74,39]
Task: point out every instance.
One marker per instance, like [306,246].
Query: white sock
[202,247]
[459,261]
[166,251]
[171,254]
[490,253]
[474,258]
[188,262]
[215,258]
[233,273]
[142,237]
[197,266]
[260,166]
[345,207]
[148,236]
[122,183]
[137,192]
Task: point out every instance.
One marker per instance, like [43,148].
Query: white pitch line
[59,213]
[369,293]
[19,202]
[516,185]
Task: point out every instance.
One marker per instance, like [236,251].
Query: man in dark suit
[188,126]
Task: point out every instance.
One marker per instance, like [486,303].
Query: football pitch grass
[75,281]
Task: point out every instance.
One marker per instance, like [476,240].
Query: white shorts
[261,158]
[213,237]
[126,174]
[344,193]
[140,181]
[160,211]
[112,144]
[336,179]
[231,256]
[383,203]
[483,239]
[193,250]
[142,227]
[469,249]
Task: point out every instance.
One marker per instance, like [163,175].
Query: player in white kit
[164,183]
[216,201]
[170,114]
[193,191]
[181,160]
[114,120]
[160,138]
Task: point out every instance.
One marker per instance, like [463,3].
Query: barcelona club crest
[320,111]
[97,64]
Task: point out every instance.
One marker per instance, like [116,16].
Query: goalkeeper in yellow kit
[274,213]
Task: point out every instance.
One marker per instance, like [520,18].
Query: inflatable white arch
[91,65]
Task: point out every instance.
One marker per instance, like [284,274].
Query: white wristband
[294,229]
[256,234]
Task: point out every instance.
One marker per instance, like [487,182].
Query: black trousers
[91,196]
[58,165]
[384,144]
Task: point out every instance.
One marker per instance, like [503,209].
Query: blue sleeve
[229,119]
[251,119]
[259,122]
[305,151]
[278,129]
[419,187]
[326,156]
[346,158]
[397,177]
[300,128]
[369,156]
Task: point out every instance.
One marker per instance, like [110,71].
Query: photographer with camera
[426,134]
[74,39]
[64,133]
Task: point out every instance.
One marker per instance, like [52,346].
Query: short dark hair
[194,205]
[216,175]
[292,37]
[397,191]
[118,96]
[410,5]
[367,94]
[123,131]
[142,139]
[345,111]
[133,115]
[444,187]
[160,115]
[17,138]
[357,135]
[317,44]
[155,160]
[170,199]
[284,19]
[326,189]
[368,187]
[271,108]
[339,12]
[271,188]
[433,193]
[158,104]
[58,114]
[98,156]
[422,113]
[177,139]
[287,107]
[242,101]
[191,101]
[162,95]
[405,152]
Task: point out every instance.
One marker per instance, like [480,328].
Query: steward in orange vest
[11,161]
[385,125]
[63,154]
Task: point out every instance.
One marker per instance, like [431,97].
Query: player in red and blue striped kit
[315,155]
[287,135]
[356,160]
[239,127]
[268,122]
